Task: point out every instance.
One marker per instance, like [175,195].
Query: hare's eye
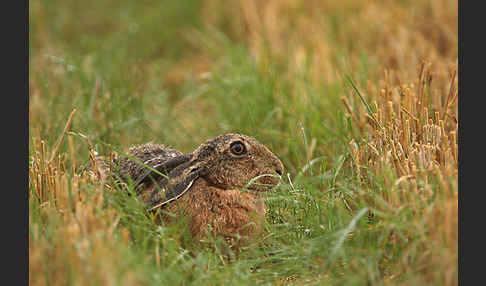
[238,148]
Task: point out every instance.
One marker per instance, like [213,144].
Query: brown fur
[150,154]
[233,214]
[216,198]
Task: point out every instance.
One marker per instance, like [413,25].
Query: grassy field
[357,98]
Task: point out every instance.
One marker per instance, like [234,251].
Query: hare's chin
[264,186]
[258,191]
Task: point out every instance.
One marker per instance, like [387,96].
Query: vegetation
[357,98]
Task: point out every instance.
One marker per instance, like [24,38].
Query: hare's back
[149,154]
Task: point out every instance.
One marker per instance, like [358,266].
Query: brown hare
[218,185]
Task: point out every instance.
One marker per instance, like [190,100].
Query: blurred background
[182,71]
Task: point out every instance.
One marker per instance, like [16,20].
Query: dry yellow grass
[415,136]
[319,33]
[81,228]
[415,131]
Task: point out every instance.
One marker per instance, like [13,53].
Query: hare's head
[236,160]
[229,161]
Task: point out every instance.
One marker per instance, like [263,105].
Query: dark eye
[238,148]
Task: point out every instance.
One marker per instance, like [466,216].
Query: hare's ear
[164,168]
[180,180]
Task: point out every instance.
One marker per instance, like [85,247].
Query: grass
[359,100]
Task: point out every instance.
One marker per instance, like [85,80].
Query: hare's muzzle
[272,176]
[279,168]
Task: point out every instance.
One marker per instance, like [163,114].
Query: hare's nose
[278,167]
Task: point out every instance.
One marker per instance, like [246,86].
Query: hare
[218,185]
